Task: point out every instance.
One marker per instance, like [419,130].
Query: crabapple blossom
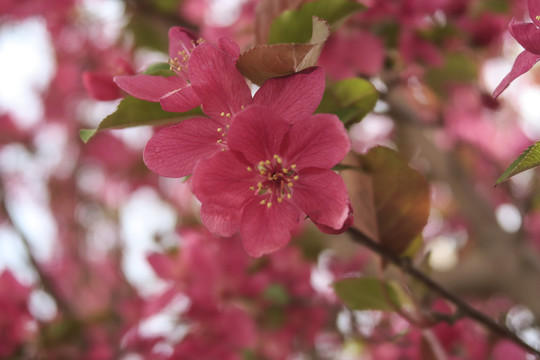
[527,35]
[274,172]
[175,150]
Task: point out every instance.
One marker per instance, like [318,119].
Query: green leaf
[529,159]
[401,198]
[263,62]
[159,69]
[457,69]
[86,134]
[277,294]
[294,26]
[367,293]
[135,112]
[350,99]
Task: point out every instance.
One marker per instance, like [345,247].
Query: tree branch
[464,308]
[45,281]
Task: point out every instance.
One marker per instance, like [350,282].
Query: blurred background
[102,259]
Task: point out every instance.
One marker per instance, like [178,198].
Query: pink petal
[295,96]
[257,132]
[180,39]
[322,195]
[216,80]
[346,224]
[524,62]
[320,141]
[180,100]
[534,11]
[148,87]
[220,220]
[527,35]
[224,180]
[175,150]
[230,47]
[164,266]
[101,86]
[267,229]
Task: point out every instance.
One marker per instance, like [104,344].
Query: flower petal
[224,180]
[101,86]
[322,195]
[267,229]
[148,87]
[294,96]
[257,132]
[180,100]
[527,35]
[534,11]
[217,81]
[175,150]
[230,47]
[524,62]
[320,141]
[181,39]
[220,220]
[347,224]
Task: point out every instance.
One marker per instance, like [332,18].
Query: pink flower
[174,93]
[528,36]
[100,84]
[274,173]
[175,150]
[347,54]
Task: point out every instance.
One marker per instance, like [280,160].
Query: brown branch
[462,307]
[46,282]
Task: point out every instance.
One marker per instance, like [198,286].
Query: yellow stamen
[249,168]
[262,202]
[279,200]
[293,166]
[295,177]
[288,196]
[222,113]
[269,204]
[219,129]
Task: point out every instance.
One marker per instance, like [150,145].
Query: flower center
[179,64]
[277,180]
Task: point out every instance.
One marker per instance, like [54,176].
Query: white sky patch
[42,305]
[224,12]
[142,218]
[36,221]
[105,18]
[26,67]
[443,254]
[508,217]
[13,257]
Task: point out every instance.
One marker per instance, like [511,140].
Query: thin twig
[46,282]
[464,308]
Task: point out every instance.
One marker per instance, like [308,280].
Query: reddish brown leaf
[360,187]
[263,62]
[401,196]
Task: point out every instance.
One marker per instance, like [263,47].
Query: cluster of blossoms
[211,273]
[258,163]
[527,35]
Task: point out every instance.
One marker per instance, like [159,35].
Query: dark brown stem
[462,307]
[44,279]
